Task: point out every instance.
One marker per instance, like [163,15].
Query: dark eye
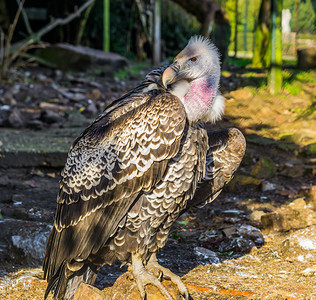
[193,59]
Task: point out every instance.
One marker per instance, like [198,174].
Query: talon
[154,267]
[144,277]
[160,277]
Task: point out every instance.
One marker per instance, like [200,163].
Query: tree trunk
[275,71]
[262,35]
[157,33]
[203,10]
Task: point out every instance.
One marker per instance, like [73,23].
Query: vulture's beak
[170,74]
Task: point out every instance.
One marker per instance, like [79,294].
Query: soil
[223,251]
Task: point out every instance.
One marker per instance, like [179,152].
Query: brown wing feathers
[105,172]
[224,155]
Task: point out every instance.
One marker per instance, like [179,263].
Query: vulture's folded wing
[107,169]
[226,150]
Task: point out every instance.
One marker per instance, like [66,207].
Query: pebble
[206,255]
[267,186]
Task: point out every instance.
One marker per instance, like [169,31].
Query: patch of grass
[292,88]
[177,236]
[305,77]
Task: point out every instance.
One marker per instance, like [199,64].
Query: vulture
[145,160]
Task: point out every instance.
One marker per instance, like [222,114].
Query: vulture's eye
[193,59]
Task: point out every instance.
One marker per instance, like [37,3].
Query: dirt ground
[234,248]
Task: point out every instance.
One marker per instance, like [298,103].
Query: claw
[160,277]
[144,277]
[154,267]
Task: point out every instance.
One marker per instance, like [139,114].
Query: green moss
[264,168]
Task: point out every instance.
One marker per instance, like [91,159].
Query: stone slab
[29,148]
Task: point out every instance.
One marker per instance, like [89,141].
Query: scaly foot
[161,272]
[144,277]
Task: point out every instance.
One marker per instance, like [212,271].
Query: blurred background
[63,62]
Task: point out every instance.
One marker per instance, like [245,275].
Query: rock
[241,95]
[267,186]
[41,77]
[207,256]
[264,168]
[69,57]
[125,288]
[74,96]
[306,58]
[256,215]
[86,291]
[16,119]
[310,195]
[298,204]
[76,119]
[236,244]
[94,94]
[30,246]
[293,216]
[243,180]
[241,239]
[211,234]
[251,232]
[300,243]
[50,117]
[293,171]
[18,199]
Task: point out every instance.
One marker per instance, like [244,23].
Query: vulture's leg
[160,271]
[144,277]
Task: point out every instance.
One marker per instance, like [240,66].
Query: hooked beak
[170,74]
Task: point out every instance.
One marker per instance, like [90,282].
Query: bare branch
[35,37]
[10,35]
[64,21]
[25,19]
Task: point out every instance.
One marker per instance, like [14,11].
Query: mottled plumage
[133,171]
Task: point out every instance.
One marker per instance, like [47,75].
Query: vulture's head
[194,78]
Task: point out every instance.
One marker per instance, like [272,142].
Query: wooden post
[157,33]
[106,25]
[275,70]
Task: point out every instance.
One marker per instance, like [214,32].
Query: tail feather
[65,287]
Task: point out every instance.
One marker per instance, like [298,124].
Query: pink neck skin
[199,98]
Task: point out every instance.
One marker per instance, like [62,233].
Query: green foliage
[253,10]
[306,17]
[293,81]
[305,77]
[292,88]
[177,236]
